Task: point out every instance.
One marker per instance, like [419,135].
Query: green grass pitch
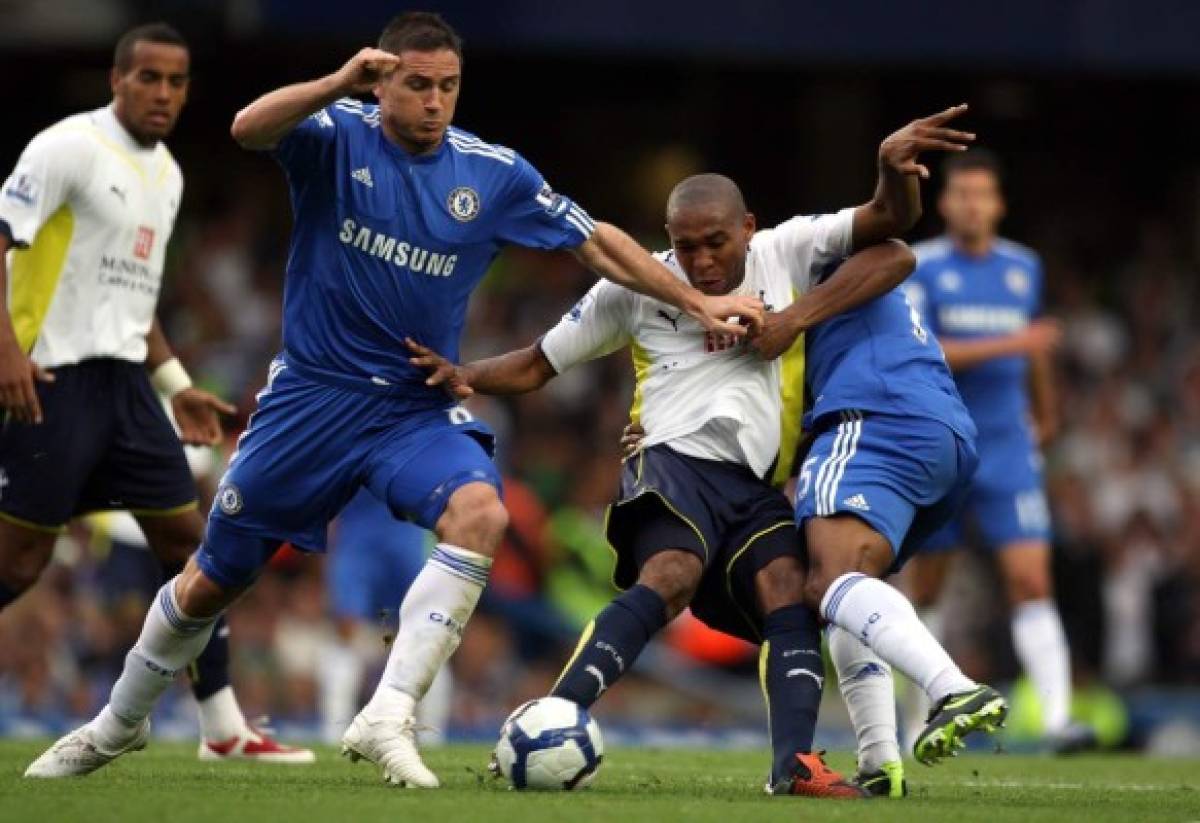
[166,784]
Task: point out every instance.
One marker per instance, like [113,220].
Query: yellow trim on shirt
[35,274]
[793,411]
[641,367]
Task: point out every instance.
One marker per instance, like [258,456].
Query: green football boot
[954,717]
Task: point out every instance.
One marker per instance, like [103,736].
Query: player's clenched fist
[366,69]
[901,149]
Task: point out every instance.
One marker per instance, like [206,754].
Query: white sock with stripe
[1041,646]
[438,604]
[870,696]
[169,641]
[883,619]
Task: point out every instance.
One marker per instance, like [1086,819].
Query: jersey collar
[401,154]
[106,120]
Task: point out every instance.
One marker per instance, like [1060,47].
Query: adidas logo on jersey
[363,176]
[857,501]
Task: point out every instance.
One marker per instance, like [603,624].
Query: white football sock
[433,712]
[220,716]
[169,641]
[339,679]
[883,619]
[866,685]
[1041,646]
[432,616]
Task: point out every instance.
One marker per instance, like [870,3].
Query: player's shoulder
[1015,252]
[76,132]
[478,151]
[348,111]
[932,251]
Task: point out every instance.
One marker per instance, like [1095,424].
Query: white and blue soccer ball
[549,743]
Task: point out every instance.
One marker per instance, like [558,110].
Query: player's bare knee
[1028,586]
[24,555]
[674,576]
[198,595]
[475,519]
[780,583]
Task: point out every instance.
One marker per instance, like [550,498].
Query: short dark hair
[420,31]
[975,159]
[702,190]
[149,33]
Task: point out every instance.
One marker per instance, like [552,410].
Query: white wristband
[170,378]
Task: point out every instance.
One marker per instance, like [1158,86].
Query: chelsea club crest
[463,203]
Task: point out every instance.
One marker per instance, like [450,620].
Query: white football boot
[391,744]
[78,754]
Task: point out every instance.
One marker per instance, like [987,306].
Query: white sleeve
[806,246]
[597,325]
[52,168]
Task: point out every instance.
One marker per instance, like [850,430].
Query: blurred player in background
[982,296]
[397,216]
[373,560]
[85,219]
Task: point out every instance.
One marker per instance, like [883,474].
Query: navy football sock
[210,671]
[610,644]
[7,596]
[792,673]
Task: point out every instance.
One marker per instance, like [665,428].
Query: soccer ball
[549,743]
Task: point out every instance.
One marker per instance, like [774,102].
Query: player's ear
[749,225]
[114,79]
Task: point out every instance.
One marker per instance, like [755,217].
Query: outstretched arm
[1038,339]
[896,206]
[263,123]
[864,276]
[615,256]
[515,372]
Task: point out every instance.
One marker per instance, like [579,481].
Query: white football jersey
[705,395]
[90,211]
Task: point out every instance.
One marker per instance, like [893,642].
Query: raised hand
[901,150]
[442,371]
[198,415]
[366,70]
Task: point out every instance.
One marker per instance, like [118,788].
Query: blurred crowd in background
[1121,251]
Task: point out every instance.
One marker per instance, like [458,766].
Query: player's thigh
[45,467]
[1025,567]
[24,553]
[143,469]
[438,472]
[662,505]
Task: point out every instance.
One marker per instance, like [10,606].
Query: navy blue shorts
[311,446]
[906,477]
[721,512]
[105,443]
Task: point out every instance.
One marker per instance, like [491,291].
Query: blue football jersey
[880,358]
[387,245]
[969,298]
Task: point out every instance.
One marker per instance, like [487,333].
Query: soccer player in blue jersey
[981,294]
[892,455]
[397,217]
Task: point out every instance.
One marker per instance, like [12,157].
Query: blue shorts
[373,559]
[1007,500]
[905,477]
[310,446]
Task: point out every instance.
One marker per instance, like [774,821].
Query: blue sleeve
[1039,279]
[308,149]
[536,217]
[922,296]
